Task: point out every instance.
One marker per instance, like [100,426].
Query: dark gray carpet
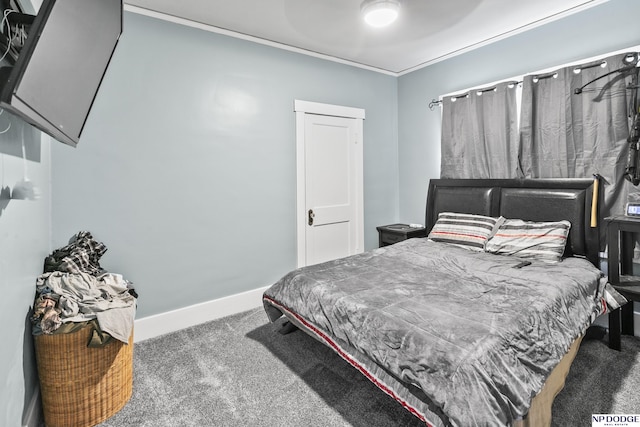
[601,381]
[239,371]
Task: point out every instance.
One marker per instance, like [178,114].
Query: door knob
[311,216]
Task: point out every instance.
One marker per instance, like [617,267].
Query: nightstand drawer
[394,233]
[390,239]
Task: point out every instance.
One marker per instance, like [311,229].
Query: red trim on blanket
[350,360]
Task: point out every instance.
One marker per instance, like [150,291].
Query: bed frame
[527,199]
[530,199]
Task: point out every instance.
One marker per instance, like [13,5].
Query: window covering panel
[569,135]
[480,134]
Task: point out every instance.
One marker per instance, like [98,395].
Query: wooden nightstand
[620,242]
[394,233]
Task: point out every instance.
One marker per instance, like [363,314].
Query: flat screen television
[57,71]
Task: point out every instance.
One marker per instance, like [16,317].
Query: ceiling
[426,30]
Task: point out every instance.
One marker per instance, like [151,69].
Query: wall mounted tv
[51,79]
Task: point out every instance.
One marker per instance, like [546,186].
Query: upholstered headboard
[528,199]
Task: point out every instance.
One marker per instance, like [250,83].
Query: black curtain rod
[435,102]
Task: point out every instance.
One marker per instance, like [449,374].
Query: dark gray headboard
[527,199]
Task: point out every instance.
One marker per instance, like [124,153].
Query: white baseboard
[160,324]
[33,413]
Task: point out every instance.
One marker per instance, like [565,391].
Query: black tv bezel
[12,103]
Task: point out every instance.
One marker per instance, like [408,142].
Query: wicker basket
[82,386]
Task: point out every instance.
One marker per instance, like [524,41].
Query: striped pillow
[469,230]
[527,239]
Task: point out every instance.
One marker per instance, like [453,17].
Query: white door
[330,215]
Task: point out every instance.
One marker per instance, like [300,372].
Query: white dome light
[380,13]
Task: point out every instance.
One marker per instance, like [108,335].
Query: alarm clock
[632,209]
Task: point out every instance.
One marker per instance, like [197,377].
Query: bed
[457,335]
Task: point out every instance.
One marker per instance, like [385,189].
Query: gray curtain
[480,134]
[569,135]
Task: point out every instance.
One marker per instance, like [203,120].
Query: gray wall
[186,169]
[24,236]
[610,26]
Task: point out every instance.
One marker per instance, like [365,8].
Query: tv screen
[59,67]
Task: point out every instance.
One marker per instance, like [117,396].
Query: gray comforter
[476,335]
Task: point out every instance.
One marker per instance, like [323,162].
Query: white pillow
[528,239]
[469,230]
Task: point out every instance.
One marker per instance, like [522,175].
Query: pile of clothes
[75,291]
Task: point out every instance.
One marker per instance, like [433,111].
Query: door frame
[307,107]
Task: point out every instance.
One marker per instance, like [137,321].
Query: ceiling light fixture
[380,13]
